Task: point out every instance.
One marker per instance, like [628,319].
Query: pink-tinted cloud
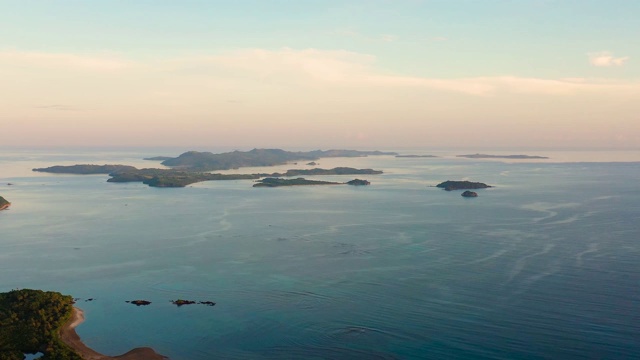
[606,59]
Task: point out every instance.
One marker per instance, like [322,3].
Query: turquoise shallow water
[545,265]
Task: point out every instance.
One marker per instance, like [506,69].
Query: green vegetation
[29,323]
[277,182]
[184,179]
[461,185]
[4,203]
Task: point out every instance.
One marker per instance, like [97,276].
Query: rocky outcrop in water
[181,302]
[139,302]
[469,194]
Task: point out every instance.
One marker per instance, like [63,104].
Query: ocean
[545,265]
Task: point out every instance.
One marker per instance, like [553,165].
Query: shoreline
[69,336]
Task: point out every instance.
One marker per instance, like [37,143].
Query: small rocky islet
[139,302]
[181,302]
[451,185]
[358,182]
[142,302]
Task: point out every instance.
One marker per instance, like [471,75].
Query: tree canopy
[30,321]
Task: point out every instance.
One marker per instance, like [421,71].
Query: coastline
[69,336]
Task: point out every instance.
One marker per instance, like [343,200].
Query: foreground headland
[44,321]
[69,336]
[4,204]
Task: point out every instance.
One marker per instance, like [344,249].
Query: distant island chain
[193,166]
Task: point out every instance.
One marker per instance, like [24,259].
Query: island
[182,178]
[358,182]
[485,156]
[334,171]
[207,161]
[36,321]
[469,194]
[4,204]
[462,185]
[415,156]
[278,182]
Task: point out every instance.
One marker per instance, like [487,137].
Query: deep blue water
[546,265]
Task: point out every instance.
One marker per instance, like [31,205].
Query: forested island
[486,156]
[450,185]
[4,204]
[182,178]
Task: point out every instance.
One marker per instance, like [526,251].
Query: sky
[321,73]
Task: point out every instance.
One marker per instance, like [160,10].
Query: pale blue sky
[398,41]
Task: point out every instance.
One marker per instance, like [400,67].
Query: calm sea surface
[546,265]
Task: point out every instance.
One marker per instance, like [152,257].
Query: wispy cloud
[93,62]
[56,107]
[606,59]
[388,38]
[338,67]
[348,33]
[286,68]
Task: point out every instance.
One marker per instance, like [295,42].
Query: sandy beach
[69,336]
